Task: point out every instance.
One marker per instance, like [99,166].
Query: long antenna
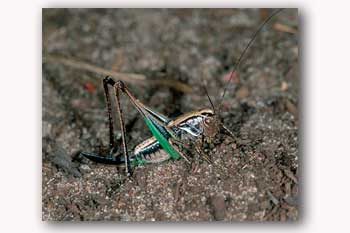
[246,48]
[207,93]
[211,103]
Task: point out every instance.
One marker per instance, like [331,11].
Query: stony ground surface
[254,176]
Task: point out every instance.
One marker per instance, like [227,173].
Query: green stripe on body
[162,140]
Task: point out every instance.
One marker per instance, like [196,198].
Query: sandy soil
[254,176]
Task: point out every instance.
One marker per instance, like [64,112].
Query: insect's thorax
[192,123]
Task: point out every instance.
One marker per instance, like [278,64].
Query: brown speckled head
[211,126]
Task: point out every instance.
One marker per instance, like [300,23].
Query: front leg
[199,149]
[227,130]
[175,143]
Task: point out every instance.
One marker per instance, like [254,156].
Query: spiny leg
[117,86]
[112,143]
[109,159]
[200,152]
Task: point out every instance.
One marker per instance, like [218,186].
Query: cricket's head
[210,124]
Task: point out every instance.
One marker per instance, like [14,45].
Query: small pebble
[219,207]
[84,168]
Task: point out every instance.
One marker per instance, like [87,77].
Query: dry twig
[126,77]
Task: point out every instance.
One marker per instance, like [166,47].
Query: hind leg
[112,143]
